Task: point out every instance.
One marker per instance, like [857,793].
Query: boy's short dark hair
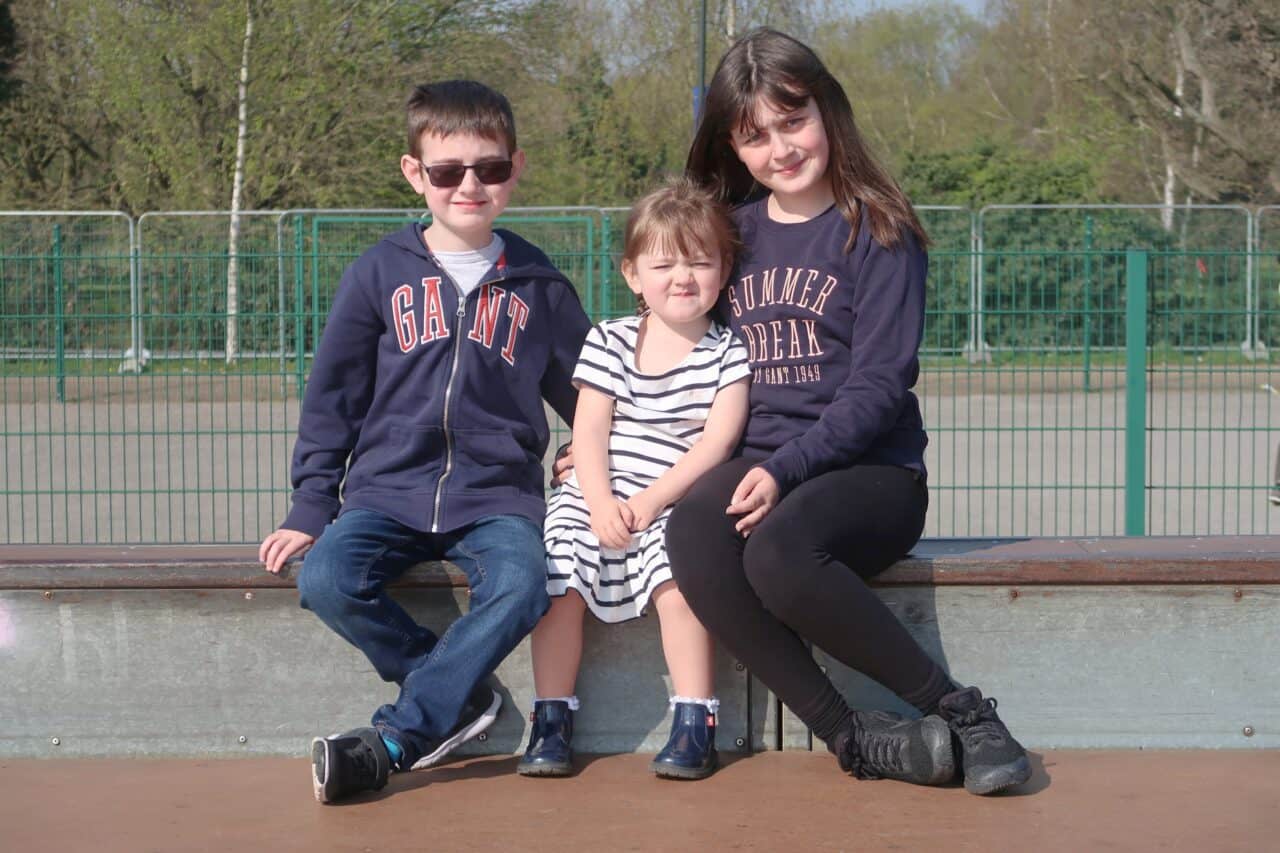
[459,106]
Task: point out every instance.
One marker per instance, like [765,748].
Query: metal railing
[125,421]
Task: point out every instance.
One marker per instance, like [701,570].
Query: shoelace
[868,754]
[364,763]
[980,724]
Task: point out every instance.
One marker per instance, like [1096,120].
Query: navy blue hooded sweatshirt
[431,406]
[833,339]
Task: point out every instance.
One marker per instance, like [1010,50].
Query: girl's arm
[725,422]
[610,519]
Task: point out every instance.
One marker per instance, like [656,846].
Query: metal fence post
[973,347]
[135,293]
[1135,406]
[299,298]
[280,297]
[1088,288]
[59,316]
[591,248]
[976,349]
[604,259]
[315,282]
[1253,346]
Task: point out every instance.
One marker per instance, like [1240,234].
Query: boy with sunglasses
[424,408]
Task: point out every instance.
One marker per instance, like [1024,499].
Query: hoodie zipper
[448,388]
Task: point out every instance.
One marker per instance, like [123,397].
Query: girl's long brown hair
[767,65]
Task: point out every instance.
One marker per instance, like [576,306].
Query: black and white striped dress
[655,420]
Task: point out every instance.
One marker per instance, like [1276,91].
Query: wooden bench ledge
[939,562]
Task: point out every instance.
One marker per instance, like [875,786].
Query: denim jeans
[343,581]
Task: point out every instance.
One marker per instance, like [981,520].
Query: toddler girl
[662,400]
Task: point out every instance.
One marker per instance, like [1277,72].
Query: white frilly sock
[712,704]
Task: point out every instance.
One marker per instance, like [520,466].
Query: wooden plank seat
[934,562]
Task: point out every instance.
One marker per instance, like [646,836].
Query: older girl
[774,547]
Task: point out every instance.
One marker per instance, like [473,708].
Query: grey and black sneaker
[883,745]
[991,758]
[346,764]
[1274,495]
[477,715]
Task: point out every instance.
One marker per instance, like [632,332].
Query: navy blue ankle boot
[550,752]
[690,752]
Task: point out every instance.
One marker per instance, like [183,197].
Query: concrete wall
[233,672]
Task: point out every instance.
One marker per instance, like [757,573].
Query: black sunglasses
[445,175]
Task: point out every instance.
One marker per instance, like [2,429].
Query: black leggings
[802,573]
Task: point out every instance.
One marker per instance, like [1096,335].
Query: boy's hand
[562,467]
[611,524]
[277,548]
[643,510]
[756,494]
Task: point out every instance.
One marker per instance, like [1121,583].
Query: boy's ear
[412,171]
[517,164]
[629,275]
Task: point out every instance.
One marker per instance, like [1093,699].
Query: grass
[110,366]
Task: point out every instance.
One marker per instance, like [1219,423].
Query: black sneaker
[477,715]
[883,745]
[992,759]
[348,763]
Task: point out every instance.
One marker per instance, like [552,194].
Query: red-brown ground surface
[1077,801]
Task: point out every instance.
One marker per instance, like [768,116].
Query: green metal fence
[1085,371]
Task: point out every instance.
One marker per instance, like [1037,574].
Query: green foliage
[132,105]
[990,173]
[600,159]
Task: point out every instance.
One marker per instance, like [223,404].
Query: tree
[8,53]
[134,105]
[1203,78]
[237,186]
[53,134]
[898,67]
[990,173]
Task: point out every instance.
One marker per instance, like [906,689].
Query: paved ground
[1078,800]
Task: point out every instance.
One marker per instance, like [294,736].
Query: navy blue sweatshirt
[833,341]
[431,406]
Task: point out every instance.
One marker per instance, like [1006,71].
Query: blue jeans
[343,581]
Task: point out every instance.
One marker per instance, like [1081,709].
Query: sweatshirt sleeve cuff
[308,516]
[783,473]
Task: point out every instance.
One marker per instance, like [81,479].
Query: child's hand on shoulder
[643,510]
[611,523]
[562,466]
[277,548]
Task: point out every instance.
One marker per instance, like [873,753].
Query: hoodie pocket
[408,457]
[485,459]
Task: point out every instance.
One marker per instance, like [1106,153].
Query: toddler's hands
[611,524]
[643,510]
[277,548]
[756,494]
